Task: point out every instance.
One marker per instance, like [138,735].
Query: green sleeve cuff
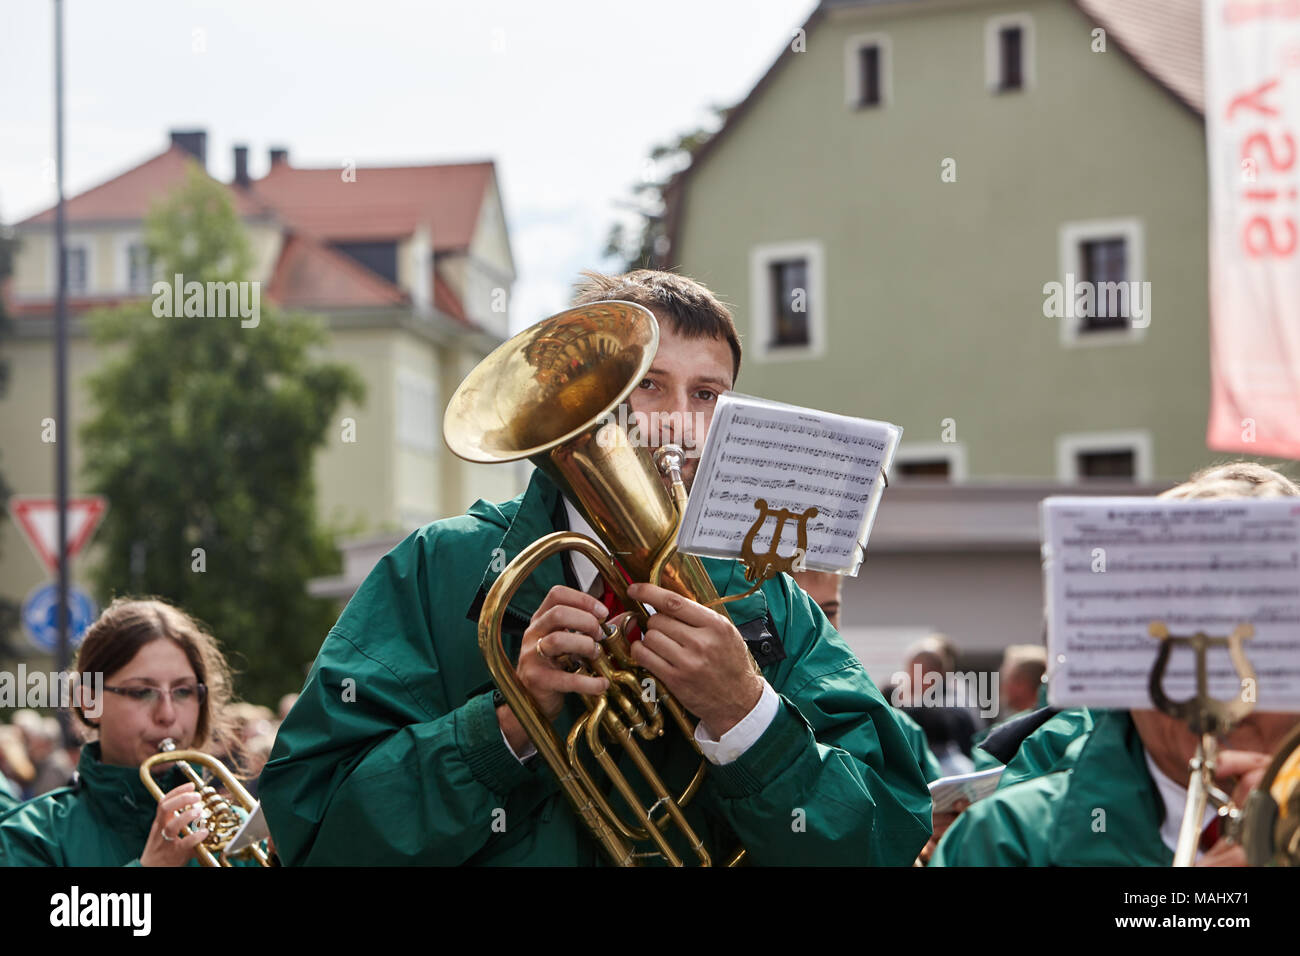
[478,734]
[135,862]
[785,738]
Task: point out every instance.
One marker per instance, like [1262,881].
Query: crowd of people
[400,749]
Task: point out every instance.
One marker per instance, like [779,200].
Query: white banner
[1252,128]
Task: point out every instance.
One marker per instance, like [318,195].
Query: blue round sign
[41,618]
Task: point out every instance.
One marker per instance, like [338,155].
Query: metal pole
[64,434]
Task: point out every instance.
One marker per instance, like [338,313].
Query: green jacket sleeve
[24,842]
[915,735]
[1009,828]
[373,765]
[1048,748]
[832,781]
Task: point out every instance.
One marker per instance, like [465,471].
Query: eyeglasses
[148,696]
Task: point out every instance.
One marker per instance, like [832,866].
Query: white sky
[567,96]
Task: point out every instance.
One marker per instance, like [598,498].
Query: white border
[1070,235]
[853,78]
[1068,446]
[953,452]
[993,52]
[760,298]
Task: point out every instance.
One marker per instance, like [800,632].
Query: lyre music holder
[760,567]
[1208,718]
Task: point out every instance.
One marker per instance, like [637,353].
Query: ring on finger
[541,653]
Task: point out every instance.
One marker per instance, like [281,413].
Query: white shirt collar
[1174,797]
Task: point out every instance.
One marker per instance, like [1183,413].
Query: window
[869,76]
[866,71]
[789,303]
[929,462]
[1010,76]
[1106,465]
[78,259]
[1104,456]
[1104,296]
[1009,53]
[788,299]
[931,469]
[417,412]
[378,257]
[139,270]
[1105,266]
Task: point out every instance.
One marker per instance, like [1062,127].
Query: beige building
[412,267]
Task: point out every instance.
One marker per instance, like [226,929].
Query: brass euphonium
[219,816]
[550,395]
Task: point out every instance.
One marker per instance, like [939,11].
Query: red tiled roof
[130,195]
[77,304]
[1162,36]
[446,301]
[383,202]
[310,274]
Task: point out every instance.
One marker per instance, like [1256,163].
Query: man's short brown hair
[693,310]
[1235,479]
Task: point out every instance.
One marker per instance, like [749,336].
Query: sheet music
[975,786]
[1112,565]
[793,458]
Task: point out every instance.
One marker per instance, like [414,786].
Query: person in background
[924,695]
[1118,797]
[163,677]
[16,770]
[1020,677]
[286,705]
[43,736]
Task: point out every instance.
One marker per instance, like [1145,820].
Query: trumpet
[218,815]
[549,395]
[1268,826]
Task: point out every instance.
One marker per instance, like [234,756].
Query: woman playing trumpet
[148,672]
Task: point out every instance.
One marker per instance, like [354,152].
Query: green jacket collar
[118,793]
[540,511]
[1111,812]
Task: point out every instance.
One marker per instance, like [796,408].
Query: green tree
[644,244]
[203,438]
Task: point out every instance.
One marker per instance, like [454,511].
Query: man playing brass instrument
[1119,795]
[398,752]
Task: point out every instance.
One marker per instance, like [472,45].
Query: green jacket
[103,819]
[1051,747]
[915,735]
[393,755]
[1105,810]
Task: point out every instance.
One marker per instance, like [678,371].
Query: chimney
[279,154]
[241,166]
[194,142]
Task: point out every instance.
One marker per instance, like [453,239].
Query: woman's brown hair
[128,624]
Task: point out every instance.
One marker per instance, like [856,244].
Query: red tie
[614,606]
[1210,835]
